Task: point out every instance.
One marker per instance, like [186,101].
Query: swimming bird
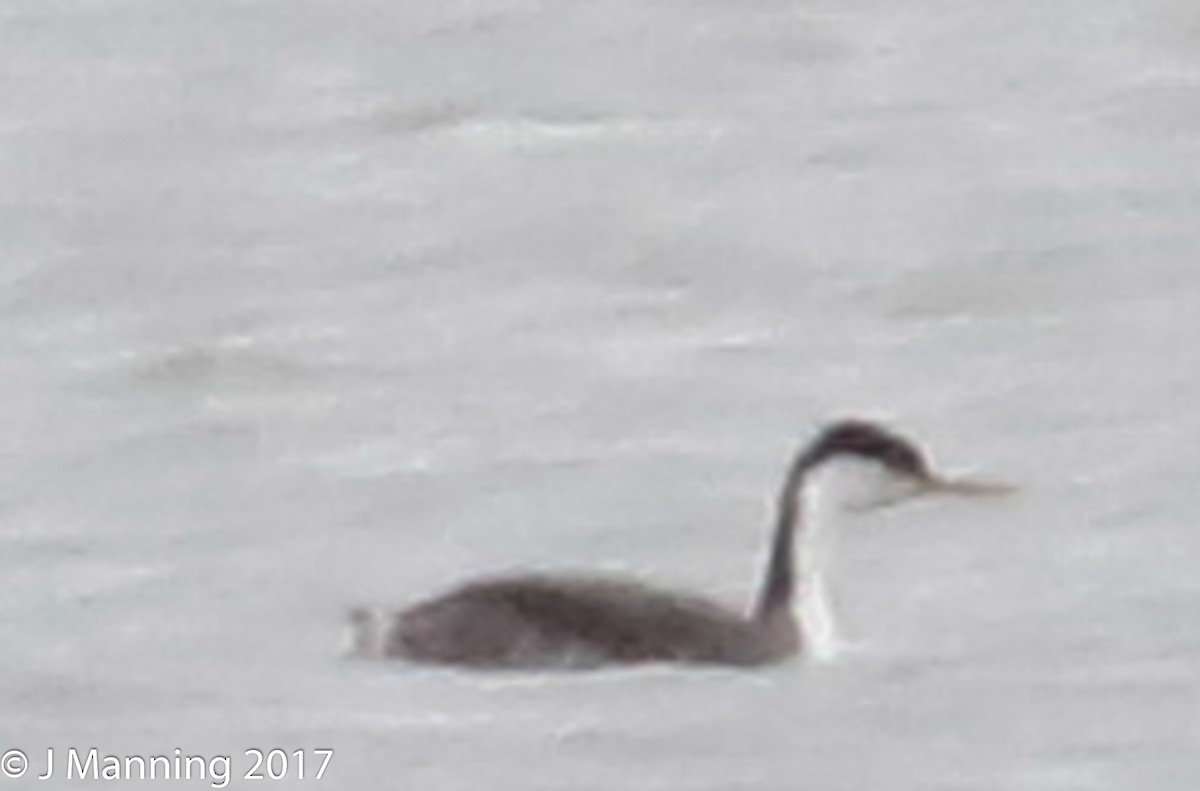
[542,620]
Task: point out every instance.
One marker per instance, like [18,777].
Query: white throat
[830,492]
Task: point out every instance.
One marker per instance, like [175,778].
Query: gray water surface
[311,304]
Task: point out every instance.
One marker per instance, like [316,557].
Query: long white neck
[815,557]
[795,594]
[828,491]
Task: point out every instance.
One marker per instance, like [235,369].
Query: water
[305,305]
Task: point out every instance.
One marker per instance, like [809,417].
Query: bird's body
[561,621]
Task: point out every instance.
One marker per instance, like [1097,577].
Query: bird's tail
[368,628]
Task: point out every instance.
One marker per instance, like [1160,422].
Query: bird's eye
[905,460]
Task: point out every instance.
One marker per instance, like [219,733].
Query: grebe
[557,621]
